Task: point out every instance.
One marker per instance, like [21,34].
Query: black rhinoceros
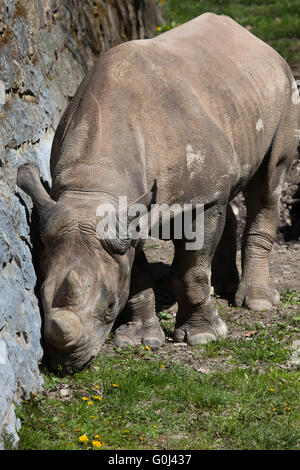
[199,113]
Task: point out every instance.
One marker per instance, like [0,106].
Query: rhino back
[195,108]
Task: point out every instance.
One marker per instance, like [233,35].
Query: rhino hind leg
[197,321]
[262,195]
[225,275]
[256,290]
[140,324]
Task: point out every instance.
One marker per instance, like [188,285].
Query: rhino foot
[208,330]
[257,298]
[135,333]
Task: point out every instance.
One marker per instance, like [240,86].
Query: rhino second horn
[74,290]
[63,329]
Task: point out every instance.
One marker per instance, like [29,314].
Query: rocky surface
[46,47]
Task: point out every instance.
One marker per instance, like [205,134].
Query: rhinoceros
[193,116]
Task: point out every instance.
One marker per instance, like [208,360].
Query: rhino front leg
[225,275]
[141,325]
[197,320]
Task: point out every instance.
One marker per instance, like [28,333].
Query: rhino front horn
[63,329]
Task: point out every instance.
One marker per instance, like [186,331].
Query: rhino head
[86,278]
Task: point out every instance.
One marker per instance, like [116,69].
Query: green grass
[155,407]
[155,400]
[290,297]
[167,322]
[260,345]
[276,22]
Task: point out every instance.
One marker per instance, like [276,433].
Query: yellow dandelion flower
[158,28]
[83,438]
[90,402]
[93,417]
[287,408]
[97,387]
[271,389]
[115,385]
[96,444]
[155,427]
[96,397]
[141,438]
[162,366]
[97,436]
[77,429]
[147,347]
[84,398]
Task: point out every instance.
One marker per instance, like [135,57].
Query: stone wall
[46,48]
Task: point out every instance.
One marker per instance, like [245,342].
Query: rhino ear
[145,200]
[119,231]
[138,216]
[28,179]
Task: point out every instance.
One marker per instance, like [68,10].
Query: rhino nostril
[63,328]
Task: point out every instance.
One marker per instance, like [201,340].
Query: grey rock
[46,49]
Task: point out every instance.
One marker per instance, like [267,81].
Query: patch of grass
[149,402]
[276,22]
[261,345]
[153,245]
[8,440]
[167,322]
[145,405]
[290,297]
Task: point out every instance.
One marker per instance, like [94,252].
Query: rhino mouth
[64,363]
[68,345]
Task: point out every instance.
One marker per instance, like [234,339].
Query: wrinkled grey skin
[206,111]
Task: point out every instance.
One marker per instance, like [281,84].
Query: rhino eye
[109,314]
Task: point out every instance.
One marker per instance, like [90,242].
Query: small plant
[290,297]
[165,316]
[8,440]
